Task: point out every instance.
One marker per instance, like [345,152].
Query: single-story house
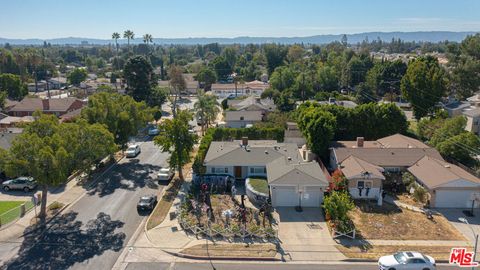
[13,121]
[473,120]
[455,108]
[223,90]
[240,119]
[247,111]
[364,162]
[57,106]
[293,176]
[449,185]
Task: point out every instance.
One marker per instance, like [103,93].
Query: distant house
[14,121]
[59,106]
[223,90]
[292,174]
[248,111]
[364,164]
[455,108]
[473,120]
[7,135]
[192,85]
[57,82]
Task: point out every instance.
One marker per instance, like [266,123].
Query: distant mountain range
[431,36]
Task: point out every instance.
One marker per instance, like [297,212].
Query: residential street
[92,233]
[258,266]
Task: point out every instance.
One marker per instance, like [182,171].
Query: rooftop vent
[266,152]
[447,165]
[289,158]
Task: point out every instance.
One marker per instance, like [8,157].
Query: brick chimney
[360,141]
[244,141]
[46,104]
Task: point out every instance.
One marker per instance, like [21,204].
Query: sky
[221,18]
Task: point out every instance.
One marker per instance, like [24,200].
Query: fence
[15,213]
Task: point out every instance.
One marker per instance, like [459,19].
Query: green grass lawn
[10,210]
[259,185]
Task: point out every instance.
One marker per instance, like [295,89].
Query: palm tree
[128,35]
[207,109]
[147,39]
[116,36]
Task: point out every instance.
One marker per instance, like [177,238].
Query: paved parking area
[305,236]
[453,214]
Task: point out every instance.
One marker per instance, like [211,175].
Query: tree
[3,98]
[271,93]
[295,53]
[337,205]
[207,109]
[364,94]
[423,85]
[385,77]
[77,76]
[128,35]
[230,55]
[121,114]
[327,79]
[465,62]
[462,147]
[177,84]
[222,67]
[285,103]
[138,73]
[115,37]
[275,55]
[177,140]
[449,128]
[312,123]
[282,78]
[158,96]
[147,39]
[339,182]
[12,86]
[207,76]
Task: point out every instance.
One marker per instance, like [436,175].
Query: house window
[241,118]
[360,184]
[258,170]
[219,170]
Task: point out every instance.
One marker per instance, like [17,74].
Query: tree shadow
[66,242]
[130,175]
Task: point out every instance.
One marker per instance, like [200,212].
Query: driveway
[304,235]
[453,214]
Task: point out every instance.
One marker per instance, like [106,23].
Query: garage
[284,196]
[455,199]
[312,197]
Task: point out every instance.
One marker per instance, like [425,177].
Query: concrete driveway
[453,214]
[304,235]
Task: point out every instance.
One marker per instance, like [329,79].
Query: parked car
[165,174]
[133,150]
[21,183]
[407,260]
[147,203]
[153,131]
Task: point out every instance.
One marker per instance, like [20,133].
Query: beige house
[473,120]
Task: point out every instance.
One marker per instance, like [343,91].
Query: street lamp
[464,220]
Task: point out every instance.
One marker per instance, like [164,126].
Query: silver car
[133,151]
[21,183]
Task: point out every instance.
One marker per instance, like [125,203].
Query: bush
[55,206]
[408,179]
[337,205]
[420,194]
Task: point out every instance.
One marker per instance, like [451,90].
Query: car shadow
[129,175]
[67,241]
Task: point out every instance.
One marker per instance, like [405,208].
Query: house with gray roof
[364,164]
[248,111]
[293,176]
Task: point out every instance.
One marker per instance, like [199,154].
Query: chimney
[244,141]
[360,141]
[46,104]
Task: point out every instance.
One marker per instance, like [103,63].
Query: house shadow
[67,241]
[129,175]
[308,214]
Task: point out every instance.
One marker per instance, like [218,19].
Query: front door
[238,171]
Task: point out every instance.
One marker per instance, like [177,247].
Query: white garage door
[285,196]
[312,197]
[453,199]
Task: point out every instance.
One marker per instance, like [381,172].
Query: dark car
[147,203]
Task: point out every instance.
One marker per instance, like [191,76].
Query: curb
[353,260]
[220,258]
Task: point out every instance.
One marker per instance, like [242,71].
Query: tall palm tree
[147,39]
[128,35]
[207,109]
[116,36]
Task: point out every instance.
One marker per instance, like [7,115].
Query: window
[241,118]
[361,184]
[219,170]
[258,170]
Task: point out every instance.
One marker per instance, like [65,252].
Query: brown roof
[434,173]
[36,104]
[353,166]
[401,141]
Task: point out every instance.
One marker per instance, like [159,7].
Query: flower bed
[257,190]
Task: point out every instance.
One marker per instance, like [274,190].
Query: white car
[165,174]
[153,131]
[133,150]
[407,260]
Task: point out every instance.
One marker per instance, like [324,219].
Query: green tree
[450,127]
[464,60]
[177,140]
[207,76]
[177,84]
[282,78]
[275,56]
[385,77]
[138,73]
[337,205]
[285,103]
[77,76]
[12,86]
[128,35]
[207,108]
[295,53]
[327,79]
[115,37]
[121,114]
[3,98]
[364,94]
[318,127]
[462,147]
[230,55]
[423,85]
[222,67]
[158,96]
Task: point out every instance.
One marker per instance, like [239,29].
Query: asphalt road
[93,232]
[259,266]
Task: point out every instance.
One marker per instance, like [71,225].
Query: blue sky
[217,18]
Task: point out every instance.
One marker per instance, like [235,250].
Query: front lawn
[259,184]
[10,210]
[388,222]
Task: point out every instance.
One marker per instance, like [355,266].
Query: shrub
[408,179]
[339,181]
[337,205]
[420,194]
